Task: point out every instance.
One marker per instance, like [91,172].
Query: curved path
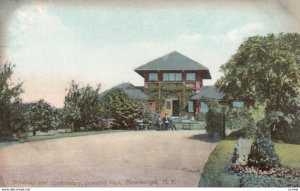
[131,159]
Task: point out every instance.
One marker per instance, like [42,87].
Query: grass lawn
[67,134]
[289,154]
[215,171]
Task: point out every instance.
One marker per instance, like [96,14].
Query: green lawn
[289,154]
[215,171]
[67,134]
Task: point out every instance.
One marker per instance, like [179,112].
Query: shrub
[287,134]
[123,110]
[245,120]
[214,119]
[254,180]
[199,117]
[262,154]
[81,106]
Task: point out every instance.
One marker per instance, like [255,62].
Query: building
[174,83]
[174,70]
[130,90]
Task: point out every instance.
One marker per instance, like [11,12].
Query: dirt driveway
[131,159]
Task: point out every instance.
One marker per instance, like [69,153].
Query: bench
[139,124]
[187,124]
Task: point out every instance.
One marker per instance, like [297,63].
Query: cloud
[48,55]
[235,35]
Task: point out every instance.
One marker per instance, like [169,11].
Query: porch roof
[130,90]
[208,92]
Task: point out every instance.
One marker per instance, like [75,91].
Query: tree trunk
[72,127]
[224,126]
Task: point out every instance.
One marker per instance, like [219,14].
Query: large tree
[123,110]
[10,113]
[40,116]
[81,106]
[266,69]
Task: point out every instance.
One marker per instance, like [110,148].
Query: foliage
[41,116]
[214,119]
[265,69]
[200,116]
[11,118]
[118,106]
[289,131]
[215,173]
[56,118]
[253,180]
[81,106]
[159,92]
[262,154]
[241,118]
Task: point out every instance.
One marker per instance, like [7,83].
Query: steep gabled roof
[130,90]
[208,92]
[173,61]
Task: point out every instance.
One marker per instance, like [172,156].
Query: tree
[266,69]
[10,114]
[118,106]
[40,116]
[81,106]
[213,118]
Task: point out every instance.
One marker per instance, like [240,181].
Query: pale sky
[51,43]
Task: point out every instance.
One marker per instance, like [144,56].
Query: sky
[52,44]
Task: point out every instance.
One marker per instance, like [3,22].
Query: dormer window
[153,77]
[190,76]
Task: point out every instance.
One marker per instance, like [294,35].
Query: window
[172,77]
[190,106]
[237,104]
[178,77]
[190,76]
[168,104]
[153,77]
[203,107]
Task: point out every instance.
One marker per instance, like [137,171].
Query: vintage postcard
[145,93]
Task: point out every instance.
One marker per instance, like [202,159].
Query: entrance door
[175,108]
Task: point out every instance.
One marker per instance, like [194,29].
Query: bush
[287,134]
[200,116]
[123,110]
[245,120]
[214,119]
[81,106]
[262,154]
[254,180]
